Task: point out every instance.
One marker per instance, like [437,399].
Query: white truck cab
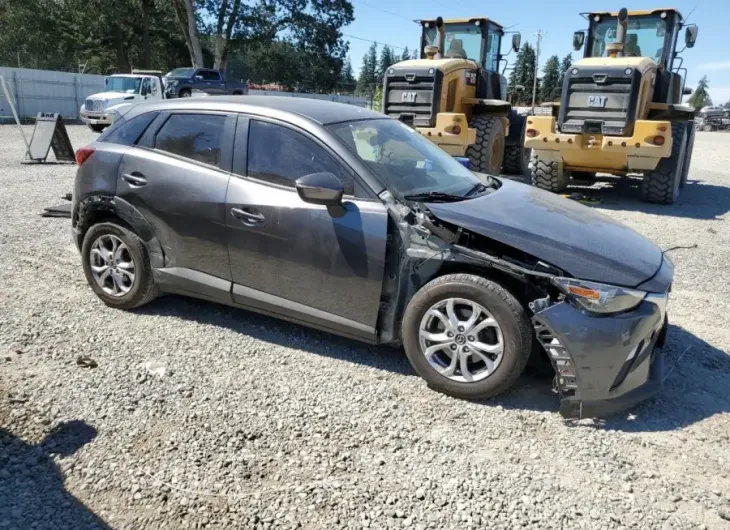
[121,89]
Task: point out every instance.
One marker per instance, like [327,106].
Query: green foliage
[523,75]
[406,55]
[726,105]
[701,96]
[387,58]
[565,64]
[295,42]
[367,80]
[550,90]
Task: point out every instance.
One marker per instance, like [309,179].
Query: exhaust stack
[616,48]
[442,35]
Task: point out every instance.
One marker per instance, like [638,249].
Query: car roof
[314,110]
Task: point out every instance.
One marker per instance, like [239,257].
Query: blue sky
[390,21]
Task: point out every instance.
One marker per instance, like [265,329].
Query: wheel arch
[101,208]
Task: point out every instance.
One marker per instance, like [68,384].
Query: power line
[374,42]
[384,10]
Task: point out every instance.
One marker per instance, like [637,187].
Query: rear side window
[127,132]
[194,136]
[280,155]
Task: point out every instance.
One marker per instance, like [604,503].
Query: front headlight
[599,297]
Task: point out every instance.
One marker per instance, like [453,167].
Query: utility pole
[539,36]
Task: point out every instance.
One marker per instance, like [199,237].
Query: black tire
[708,128]
[510,315]
[661,186]
[688,154]
[486,155]
[185,93]
[97,128]
[547,175]
[143,288]
[516,156]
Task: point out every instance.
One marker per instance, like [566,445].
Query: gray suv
[345,220]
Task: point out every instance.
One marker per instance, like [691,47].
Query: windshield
[128,85]
[463,41]
[405,162]
[181,72]
[644,37]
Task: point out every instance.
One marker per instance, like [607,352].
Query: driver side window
[145,89]
[280,155]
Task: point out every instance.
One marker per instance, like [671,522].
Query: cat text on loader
[455,96]
[620,111]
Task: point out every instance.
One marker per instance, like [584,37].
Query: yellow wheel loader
[620,111]
[455,96]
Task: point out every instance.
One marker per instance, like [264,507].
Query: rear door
[176,177]
[293,258]
[213,82]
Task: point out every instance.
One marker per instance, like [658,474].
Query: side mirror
[321,188]
[578,38]
[690,36]
[687,91]
[516,40]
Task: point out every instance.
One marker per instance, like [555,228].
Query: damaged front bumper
[604,364]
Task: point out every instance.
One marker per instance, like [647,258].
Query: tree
[523,74]
[387,58]
[701,97]
[187,18]
[550,89]
[406,55]
[347,79]
[416,54]
[726,105]
[367,80]
[565,64]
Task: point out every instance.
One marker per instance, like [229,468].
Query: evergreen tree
[701,96]
[347,79]
[387,58]
[523,74]
[727,104]
[416,54]
[550,90]
[366,81]
[406,55]
[565,64]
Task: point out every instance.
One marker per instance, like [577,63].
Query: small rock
[84,361]
[420,494]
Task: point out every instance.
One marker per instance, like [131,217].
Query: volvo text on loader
[620,110]
[455,95]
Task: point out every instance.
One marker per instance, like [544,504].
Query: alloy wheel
[112,265]
[461,340]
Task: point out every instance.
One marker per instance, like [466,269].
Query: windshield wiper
[477,188]
[434,196]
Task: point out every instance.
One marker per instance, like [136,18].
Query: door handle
[134,180]
[247,216]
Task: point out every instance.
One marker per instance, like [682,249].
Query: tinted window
[194,136]
[210,75]
[127,132]
[280,155]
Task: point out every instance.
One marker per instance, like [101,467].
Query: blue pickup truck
[181,82]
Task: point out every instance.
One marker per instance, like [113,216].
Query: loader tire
[662,185]
[688,154]
[517,156]
[485,156]
[547,175]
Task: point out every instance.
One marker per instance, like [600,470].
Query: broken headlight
[599,297]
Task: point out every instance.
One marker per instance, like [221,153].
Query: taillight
[83,154]
[531,133]
[658,140]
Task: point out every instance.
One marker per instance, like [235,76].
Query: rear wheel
[708,128]
[517,156]
[547,175]
[688,154]
[467,336]
[485,156]
[97,128]
[661,186]
[185,93]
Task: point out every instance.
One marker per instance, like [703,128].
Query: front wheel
[117,267]
[97,128]
[485,156]
[662,185]
[185,93]
[467,336]
[547,174]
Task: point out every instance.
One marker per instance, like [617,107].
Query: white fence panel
[64,92]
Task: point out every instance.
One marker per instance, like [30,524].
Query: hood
[109,96]
[577,239]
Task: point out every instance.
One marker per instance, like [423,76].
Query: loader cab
[476,39]
[652,34]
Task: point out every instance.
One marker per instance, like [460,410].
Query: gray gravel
[199,415]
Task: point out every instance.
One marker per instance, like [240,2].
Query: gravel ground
[198,415]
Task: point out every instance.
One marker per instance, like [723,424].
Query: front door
[177,179]
[293,258]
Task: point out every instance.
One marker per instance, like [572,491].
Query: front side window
[194,136]
[405,162]
[281,155]
[463,41]
[491,61]
[127,132]
[645,37]
[209,75]
[128,85]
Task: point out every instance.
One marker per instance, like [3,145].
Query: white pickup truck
[121,89]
